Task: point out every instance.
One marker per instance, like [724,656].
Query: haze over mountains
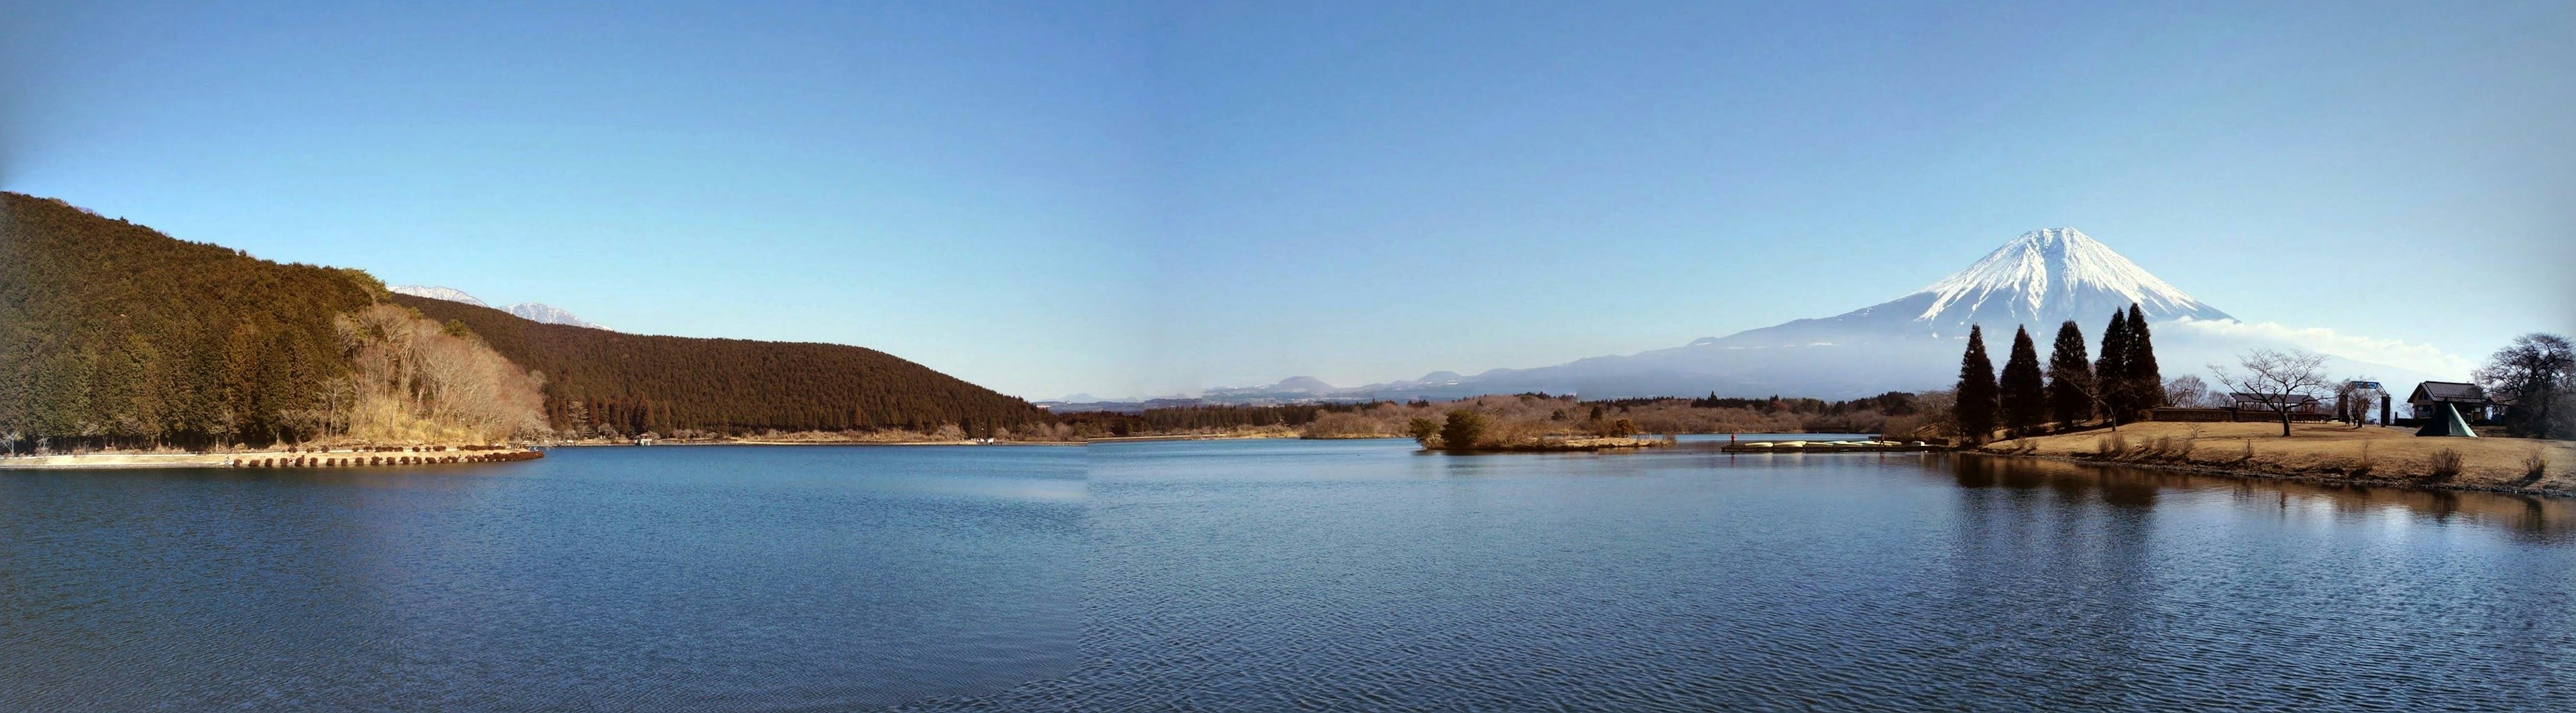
[2038,280]
[531,311]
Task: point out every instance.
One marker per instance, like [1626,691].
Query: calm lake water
[681,578]
[1273,575]
[1268,575]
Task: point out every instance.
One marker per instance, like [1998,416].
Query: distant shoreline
[2324,454]
[2311,479]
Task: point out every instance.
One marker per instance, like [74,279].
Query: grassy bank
[2322,452]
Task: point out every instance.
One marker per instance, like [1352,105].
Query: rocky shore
[370,457]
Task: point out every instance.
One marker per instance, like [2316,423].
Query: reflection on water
[2527,517]
[1269,575]
[1367,575]
[669,578]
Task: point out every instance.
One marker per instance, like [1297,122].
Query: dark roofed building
[2472,402]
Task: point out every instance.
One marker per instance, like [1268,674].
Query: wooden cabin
[2471,401]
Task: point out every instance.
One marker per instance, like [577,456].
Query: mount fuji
[2037,281]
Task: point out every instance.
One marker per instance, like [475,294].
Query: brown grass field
[2321,451]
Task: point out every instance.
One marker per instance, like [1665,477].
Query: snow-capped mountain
[530,311]
[450,294]
[548,314]
[2039,279]
[2035,281]
[2044,277]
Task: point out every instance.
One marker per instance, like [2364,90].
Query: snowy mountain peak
[530,311]
[450,294]
[549,314]
[2048,275]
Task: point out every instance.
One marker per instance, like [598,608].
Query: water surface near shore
[669,579]
[1275,574]
[1269,575]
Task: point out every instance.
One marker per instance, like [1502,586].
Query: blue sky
[1133,199]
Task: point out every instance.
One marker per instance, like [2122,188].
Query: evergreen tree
[1976,408]
[2111,373]
[2147,386]
[2070,375]
[2021,393]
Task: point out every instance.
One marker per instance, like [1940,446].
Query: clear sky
[1148,199]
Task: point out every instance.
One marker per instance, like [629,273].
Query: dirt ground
[2322,451]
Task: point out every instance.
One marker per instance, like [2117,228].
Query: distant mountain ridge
[2035,280]
[532,311]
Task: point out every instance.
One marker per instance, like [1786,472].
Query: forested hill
[114,334]
[603,381]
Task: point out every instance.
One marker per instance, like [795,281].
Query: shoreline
[2308,478]
[2320,454]
[659,444]
[351,459]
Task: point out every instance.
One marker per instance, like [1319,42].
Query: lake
[1273,575]
[1267,575]
[672,578]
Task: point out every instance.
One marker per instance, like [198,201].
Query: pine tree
[2070,375]
[1976,408]
[2147,389]
[2111,373]
[2023,396]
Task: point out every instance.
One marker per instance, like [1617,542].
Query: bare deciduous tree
[2186,391]
[2278,380]
[2535,373]
[2354,402]
[416,381]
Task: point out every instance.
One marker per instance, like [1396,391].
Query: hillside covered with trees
[604,383]
[113,335]
[116,334]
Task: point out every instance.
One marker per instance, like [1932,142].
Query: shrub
[2365,463]
[2536,465]
[2111,446]
[1422,430]
[2248,455]
[2444,464]
[1465,430]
